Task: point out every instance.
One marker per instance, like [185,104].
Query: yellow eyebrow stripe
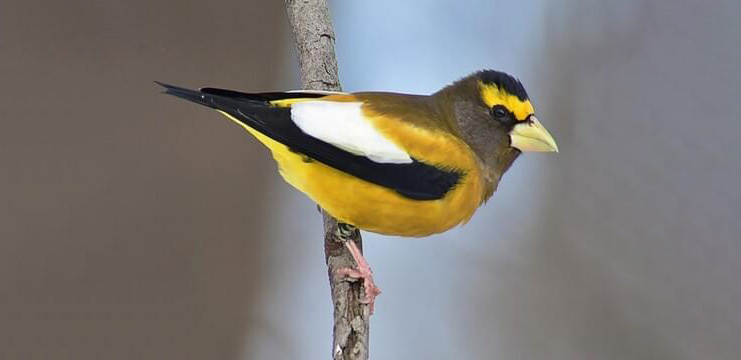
[493,95]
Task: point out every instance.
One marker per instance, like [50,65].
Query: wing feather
[343,125]
[410,178]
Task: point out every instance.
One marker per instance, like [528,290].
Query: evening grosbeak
[396,164]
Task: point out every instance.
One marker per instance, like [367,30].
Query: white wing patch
[343,125]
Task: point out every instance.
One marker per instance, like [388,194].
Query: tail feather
[195,96]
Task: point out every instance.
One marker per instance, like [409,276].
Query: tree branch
[312,28]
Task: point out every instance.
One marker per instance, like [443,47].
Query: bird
[390,163]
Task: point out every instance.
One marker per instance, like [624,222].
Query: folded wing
[333,133]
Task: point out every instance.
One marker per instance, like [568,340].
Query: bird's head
[511,110]
[492,113]
[491,104]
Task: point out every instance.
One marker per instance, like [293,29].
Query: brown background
[125,229]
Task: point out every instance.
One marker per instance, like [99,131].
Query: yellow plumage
[379,209]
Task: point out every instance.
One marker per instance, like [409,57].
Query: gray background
[135,226]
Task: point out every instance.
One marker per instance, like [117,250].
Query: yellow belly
[369,206]
[372,207]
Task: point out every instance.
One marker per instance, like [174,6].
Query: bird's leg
[362,269]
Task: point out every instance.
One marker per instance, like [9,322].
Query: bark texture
[312,29]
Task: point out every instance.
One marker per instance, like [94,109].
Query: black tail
[206,96]
[195,96]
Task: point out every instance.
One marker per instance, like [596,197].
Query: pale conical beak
[531,135]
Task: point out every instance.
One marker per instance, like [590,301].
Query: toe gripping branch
[346,233]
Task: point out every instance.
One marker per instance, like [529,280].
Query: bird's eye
[499,112]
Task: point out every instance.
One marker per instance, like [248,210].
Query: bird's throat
[494,166]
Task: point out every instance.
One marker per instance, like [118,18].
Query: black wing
[415,180]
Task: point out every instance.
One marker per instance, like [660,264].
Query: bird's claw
[362,271]
[369,287]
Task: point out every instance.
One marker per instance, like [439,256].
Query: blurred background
[137,226]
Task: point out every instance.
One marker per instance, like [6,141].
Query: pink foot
[363,271]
